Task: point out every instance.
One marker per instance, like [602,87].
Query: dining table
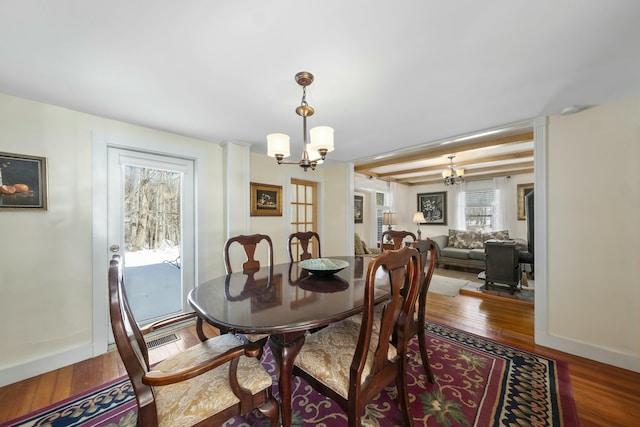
[285,301]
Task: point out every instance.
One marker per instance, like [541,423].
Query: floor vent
[166,339]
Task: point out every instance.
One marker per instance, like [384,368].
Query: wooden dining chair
[302,240]
[351,362]
[204,385]
[249,243]
[397,237]
[427,250]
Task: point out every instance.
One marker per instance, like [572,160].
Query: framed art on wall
[434,207]
[523,190]
[23,182]
[358,212]
[266,200]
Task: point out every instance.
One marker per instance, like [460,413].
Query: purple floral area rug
[478,382]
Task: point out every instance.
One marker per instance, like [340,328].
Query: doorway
[150,225]
[304,213]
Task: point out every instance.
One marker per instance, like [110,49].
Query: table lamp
[418,218]
[389,219]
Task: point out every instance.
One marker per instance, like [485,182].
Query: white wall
[46,289]
[593,199]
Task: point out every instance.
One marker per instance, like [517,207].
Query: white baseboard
[630,362]
[45,364]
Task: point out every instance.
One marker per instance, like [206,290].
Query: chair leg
[354,407]
[403,392]
[271,411]
[424,355]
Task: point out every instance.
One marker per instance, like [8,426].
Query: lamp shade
[321,138]
[389,218]
[278,144]
[313,155]
[418,217]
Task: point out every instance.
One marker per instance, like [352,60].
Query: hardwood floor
[604,395]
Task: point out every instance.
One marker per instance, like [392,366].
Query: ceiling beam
[478,178]
[471,172]
[498,158]
[443,150]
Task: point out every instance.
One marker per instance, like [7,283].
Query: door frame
[174,163]
[101,143]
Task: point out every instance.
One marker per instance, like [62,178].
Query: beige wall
[593,216]
[46,272]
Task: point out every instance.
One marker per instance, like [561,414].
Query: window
[479,210]
[380,208]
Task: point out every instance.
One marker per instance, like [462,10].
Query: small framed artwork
[358,211]
[434,207]
[266,200]
[23,182]
[523,190]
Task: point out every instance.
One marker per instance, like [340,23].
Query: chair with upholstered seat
[427,250]
[249,243]
[204,385]
[353,362]
[301,241]
[397,237]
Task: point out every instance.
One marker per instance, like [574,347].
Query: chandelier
[452,176]
[321,137]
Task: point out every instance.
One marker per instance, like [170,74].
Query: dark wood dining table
[284,301]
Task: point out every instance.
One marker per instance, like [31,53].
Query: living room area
[479,210]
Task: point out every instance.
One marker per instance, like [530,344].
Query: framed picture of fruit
[23,182]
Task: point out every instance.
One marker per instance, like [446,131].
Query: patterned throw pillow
[495,235]
[468,240]
[476,241]
[453,238]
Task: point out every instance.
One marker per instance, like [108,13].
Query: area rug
[446,285]
[478,382]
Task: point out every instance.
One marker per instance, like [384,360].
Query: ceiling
[500,152]
[390,77]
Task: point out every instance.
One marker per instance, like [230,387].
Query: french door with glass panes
[304,216]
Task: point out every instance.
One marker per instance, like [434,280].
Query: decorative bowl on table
[323,266]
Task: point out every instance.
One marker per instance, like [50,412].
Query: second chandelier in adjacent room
[451,175]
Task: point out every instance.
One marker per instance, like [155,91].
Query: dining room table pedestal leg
[285,348]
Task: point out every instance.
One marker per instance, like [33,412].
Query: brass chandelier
[321,137]
[451,175]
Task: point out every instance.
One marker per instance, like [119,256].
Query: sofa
[361,248]
[461,248]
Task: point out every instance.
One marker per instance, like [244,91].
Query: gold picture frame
[523,190]
[266,199]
